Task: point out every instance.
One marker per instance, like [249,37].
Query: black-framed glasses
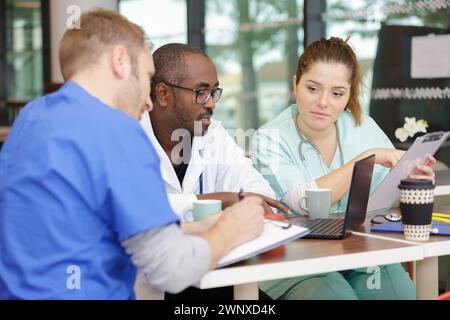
[201,95]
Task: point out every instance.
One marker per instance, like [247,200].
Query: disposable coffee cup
[416,206]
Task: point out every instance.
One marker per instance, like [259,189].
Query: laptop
[339,228]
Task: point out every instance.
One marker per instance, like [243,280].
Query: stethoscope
[303,141]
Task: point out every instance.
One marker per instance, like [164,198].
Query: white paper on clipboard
[386,195]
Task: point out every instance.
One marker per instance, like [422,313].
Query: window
[154,16]
[24,64]
[381,34]
[255,46]
[362,19]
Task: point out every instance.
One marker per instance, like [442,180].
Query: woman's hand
[425,171]
[389,158]
[386,157]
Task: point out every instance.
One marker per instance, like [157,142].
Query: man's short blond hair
[99,30]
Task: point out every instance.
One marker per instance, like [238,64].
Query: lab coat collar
[196,164]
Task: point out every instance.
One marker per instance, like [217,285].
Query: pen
[441,220]
[241,194]
[271,216]
[268,215]
[441,217]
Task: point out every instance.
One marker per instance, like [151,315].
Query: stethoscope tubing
[303,141]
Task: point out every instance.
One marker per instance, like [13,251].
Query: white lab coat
[217,156]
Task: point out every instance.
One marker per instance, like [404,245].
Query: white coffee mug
[202,209]
[316,202]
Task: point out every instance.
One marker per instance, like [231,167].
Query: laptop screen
[359,193]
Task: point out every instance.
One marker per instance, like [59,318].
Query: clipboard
[273,236]
[386,195]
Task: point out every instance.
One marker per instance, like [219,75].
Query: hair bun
[339,41]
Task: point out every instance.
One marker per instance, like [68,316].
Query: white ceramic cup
[204,208]
[316,202]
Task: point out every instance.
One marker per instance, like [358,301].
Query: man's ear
[163,95]
[120,62]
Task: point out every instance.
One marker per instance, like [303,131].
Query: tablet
[386,195]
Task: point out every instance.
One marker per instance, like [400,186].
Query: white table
[305,257]
[426,274]
[362,249]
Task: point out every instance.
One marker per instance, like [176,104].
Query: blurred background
[255,45]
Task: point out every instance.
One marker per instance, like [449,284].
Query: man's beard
[209,112]
[187,123]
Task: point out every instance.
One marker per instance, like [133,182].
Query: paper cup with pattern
[416,206]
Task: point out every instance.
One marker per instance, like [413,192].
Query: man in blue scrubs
[74,172]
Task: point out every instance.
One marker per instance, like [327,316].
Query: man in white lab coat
[199,159]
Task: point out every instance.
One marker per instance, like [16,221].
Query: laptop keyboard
[325,226]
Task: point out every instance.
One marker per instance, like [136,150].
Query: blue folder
[443,229]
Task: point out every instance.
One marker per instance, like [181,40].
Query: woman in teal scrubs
[314,144]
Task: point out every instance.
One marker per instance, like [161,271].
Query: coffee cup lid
[416,183]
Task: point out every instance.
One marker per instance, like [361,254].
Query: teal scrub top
[277,157]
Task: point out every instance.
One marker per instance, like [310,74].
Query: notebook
[272,236]
[440,228]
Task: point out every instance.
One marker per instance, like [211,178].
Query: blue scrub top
[76,178]
[276,151]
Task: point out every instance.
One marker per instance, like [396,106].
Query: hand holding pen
[267,203]
[241,194]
